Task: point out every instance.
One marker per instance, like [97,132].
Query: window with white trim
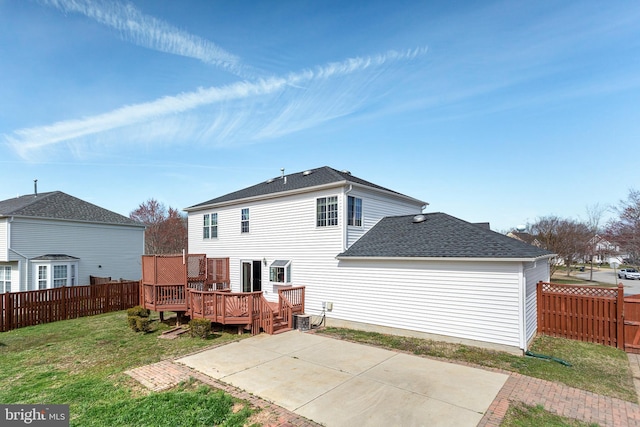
[244,221]
[327,211]
[60,276]
[42,276]
[354,211]
[5,278]
[280,271]
[210,226]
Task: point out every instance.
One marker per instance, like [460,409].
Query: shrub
[200,328]
[133,322]
[143,324]
[138,311]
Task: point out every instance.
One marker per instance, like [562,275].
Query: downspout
[344,218]
[26,272]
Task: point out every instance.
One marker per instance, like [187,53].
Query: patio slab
[338,383]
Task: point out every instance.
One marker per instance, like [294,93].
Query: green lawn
[521,415]
[81,362]
[597,368]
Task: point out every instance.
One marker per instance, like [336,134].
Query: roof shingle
[295,181]
[59,205]
[438,236]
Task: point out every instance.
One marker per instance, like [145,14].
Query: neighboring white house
[371,256]
[53,239]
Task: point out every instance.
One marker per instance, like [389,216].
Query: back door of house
[251,276]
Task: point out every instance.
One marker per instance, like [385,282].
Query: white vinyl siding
[470,300]
[375,207]
[4,240]
[281,229]
[103,250]
[534,273]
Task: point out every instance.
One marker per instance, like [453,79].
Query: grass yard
[80,362]
[521,415]
[597,368]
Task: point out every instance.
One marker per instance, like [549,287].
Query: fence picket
[20,309]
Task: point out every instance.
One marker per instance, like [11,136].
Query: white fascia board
[380,258]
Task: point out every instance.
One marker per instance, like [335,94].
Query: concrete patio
[338,383]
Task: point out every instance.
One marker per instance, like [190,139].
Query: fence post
[620,316]
[539,305]
[8,309]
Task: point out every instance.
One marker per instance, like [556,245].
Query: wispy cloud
[147,31]
[247,111]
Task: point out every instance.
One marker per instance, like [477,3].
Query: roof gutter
[466,259]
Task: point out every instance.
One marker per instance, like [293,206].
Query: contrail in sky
[147,31]
[25,141]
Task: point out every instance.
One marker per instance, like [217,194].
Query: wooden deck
[206,295]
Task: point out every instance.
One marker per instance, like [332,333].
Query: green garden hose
[544,356]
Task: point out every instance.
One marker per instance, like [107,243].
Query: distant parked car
[629,273]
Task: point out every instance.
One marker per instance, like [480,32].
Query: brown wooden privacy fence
[584,313]
[20,309]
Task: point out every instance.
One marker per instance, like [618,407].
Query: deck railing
[166,297]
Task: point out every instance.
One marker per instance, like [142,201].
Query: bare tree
[593,223]
[166,231]
[625,230]
[565,237]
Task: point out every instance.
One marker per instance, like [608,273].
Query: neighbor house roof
[59,205]
[438,235]
[295,182]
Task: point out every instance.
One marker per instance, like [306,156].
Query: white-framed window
[60,276]
[354,211]
[280,271]
[42,276]
[210,226]
[327,211]
[5,278]
[244,221]
[55,273]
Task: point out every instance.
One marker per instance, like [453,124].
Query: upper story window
[354,211]
[327,211]
[244,222]
[5,279]
[210,226]
[280,271]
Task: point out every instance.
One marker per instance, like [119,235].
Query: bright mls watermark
[34,415]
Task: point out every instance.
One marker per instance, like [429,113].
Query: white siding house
[355,245]
[54,239]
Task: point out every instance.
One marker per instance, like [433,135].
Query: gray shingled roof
[59,205]
[295,181]
[438,236]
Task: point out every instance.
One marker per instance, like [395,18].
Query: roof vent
[305,173]
[419,218]
[346,171]
[270,180]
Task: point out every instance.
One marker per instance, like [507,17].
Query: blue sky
[489,111]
